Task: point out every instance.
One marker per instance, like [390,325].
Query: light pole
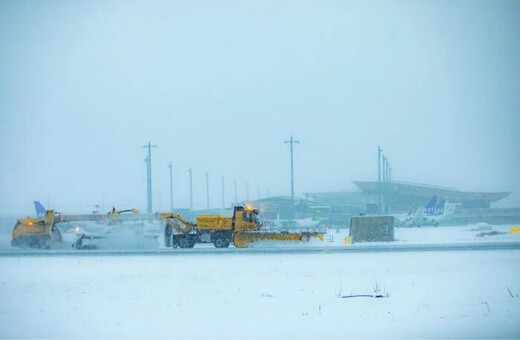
[390,192]
[384,184]
[235,183]
[384,169]
[148,161]
[171,187]
[207,191]
[223,197]
[292,141]
[379,150]
[191,190]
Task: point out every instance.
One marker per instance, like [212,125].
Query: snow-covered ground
[335,237]
[455,294]
[425,294]
[439,235]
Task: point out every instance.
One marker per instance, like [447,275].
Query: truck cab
[245,219]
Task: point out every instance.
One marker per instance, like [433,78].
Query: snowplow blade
[244,238]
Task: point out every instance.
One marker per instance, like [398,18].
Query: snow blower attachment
[42,232]
[39,232]
[241,229]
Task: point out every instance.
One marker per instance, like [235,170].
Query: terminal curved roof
[427,191]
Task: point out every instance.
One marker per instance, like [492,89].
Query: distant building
[396,197]
[336,208]
[403,196]
[283,207]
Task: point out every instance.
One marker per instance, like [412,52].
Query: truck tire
[221,240]
[168,238]
[175,242]
[78,244]
[45,242]
[185,241]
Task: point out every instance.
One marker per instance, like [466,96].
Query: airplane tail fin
[434,206]
[430,206]
[439,209]
[40,210]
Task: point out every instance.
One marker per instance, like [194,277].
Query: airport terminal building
[337,207]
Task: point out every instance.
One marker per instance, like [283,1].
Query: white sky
[219,85]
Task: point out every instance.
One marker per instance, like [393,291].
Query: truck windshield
[249,217]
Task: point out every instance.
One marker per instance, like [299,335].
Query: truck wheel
[175,242]
[78,244]
[221,241]
[168,238]
[186,242]
[44,242]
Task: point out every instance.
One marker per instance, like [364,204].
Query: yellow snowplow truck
[241,229]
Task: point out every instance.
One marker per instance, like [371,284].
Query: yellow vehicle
[42,232]
[38,232]
[240,229]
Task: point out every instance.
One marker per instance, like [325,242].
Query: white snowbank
[430,294]
[438,235]
[135,238]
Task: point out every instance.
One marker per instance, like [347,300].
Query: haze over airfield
[220,85]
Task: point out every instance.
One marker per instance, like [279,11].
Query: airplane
[433,208]
[40,210]
[433,214]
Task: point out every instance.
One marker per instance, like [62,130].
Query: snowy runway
[427,294]
[377,247]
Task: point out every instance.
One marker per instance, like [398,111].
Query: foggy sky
[220,85]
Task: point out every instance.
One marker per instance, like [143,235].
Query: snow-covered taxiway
[413,294]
